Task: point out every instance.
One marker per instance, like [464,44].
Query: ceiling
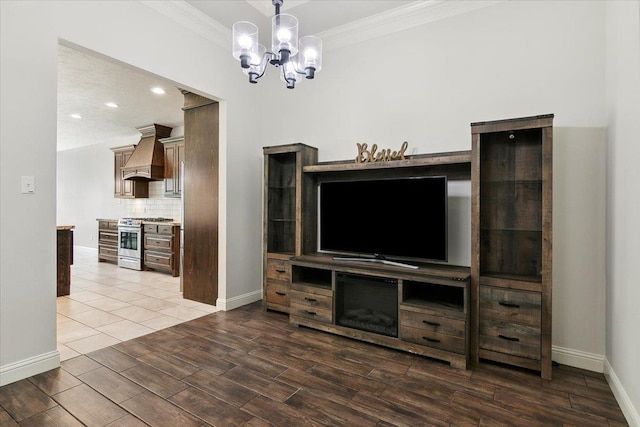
[86,81]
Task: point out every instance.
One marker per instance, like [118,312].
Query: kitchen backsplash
[156,205]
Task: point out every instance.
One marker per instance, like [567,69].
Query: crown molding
[396,20]
[191,18]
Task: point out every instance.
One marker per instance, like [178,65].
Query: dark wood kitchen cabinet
[124,188]
[108,240]
[162,248]
[173,158]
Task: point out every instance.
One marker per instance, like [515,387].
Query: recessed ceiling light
[76,116]
[111,104]
[158,90]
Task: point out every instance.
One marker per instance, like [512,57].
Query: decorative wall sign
[366,155]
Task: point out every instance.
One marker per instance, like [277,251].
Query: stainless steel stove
[130,241]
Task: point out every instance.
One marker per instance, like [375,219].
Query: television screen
[402,218]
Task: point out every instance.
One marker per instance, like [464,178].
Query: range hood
[147,160]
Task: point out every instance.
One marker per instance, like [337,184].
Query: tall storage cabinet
[200,214]
[289,201]
[511,173]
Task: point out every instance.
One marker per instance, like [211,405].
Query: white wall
[623,204]
[30,32]
[85,190]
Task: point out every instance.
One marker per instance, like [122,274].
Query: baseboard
[28,367]
[239,301]
[626,405]
[578,359]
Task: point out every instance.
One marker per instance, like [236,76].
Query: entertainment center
[498,309]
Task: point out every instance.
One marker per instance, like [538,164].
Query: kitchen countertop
[144,222]
[65,227]
[162,222]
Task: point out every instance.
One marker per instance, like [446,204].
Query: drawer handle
[504,337]
[310,299]
[281,271]
[426,322]
[509,304]
[312,313]
[280,293]
[430,339]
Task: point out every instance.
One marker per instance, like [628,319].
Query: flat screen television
[385,219]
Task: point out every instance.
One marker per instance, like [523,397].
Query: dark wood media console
[430,314]
[497,309]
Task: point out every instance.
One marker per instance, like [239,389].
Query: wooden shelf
[456,165]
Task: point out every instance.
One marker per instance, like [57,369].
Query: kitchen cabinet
[108,240]
[173,158]
[162,248]
[124,188]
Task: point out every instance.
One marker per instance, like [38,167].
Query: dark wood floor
[247,367]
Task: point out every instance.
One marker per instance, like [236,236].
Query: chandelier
[296,58]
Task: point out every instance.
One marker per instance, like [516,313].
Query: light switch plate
[28,185]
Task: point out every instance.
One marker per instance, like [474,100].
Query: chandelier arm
[263,63]
[295,67]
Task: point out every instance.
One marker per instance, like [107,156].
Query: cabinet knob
[430,339]
[427,322]
[504,337]
[312,313]
[310,299]
[280,293]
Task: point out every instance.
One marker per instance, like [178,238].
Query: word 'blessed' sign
[366,155]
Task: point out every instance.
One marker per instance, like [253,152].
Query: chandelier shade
[245,41]
[296,58]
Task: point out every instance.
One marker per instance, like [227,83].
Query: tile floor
[108,304]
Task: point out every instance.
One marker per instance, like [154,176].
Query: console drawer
[312,300]
[277,293]
[312,305]
[510,305]
[510,338]
[432,339]
[428,322]
[278,269]
[314,313]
